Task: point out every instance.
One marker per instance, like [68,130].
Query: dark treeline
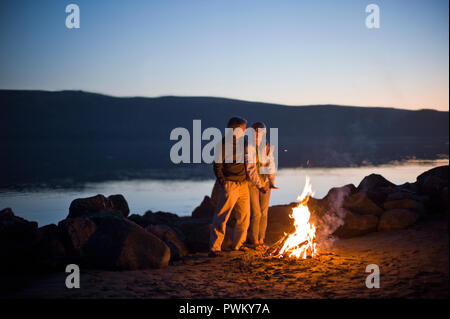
[74,136]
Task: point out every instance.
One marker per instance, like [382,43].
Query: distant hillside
[74,134]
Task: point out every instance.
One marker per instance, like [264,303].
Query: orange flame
[301,243]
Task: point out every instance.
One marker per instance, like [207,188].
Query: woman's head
[260,130]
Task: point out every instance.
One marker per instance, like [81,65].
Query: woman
[259,201]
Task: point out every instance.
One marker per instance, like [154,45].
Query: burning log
[276,248]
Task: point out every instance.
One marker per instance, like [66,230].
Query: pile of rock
[99,233]
[375,205]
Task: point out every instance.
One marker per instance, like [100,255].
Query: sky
[278,51]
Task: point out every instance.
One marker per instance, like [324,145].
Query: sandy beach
[411,261]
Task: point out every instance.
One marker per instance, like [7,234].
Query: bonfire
[300,243]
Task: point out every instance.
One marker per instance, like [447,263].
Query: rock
[361,204]
[409,187]
[196,232]
[376,187]
[75,232]
[357,225]
[279,222]
[405,204]
[99,203]
[445,199]
[119,204]
[205,210]
[397,219]
[280,214]
[440,176]
[6,212]
[400,195]
[51,250]
[19,239]
[121,244]
[336,192]
[171,238]
[432,183]
[157,218]
[373,182]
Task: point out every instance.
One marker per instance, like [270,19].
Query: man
[259,202]
[233,172]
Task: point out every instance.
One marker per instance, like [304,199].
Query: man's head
[237,123]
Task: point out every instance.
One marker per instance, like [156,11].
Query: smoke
[332,218]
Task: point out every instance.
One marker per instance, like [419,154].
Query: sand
[413,264]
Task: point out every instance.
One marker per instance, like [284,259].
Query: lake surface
[48,206]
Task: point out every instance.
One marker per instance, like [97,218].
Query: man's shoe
[214,254]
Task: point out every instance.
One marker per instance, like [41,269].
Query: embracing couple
[245,172]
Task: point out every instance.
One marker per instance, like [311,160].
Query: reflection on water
[182,196]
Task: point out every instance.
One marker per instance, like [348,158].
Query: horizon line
[224,98]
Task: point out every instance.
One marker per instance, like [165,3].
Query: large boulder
[51,249]
[205,210]
[357,225]
[432,183]
[75,232]
[157,218]
[121,244]
[361,204]
[196,232]
[118,203]
[376,187]
[373,182]
[99,203]
[405,204]
[19,240]
[400,194]
[433,180]
[397,219]
[171,238]
[279,222]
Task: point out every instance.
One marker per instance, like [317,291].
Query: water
[48,206]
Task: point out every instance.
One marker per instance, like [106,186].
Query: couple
[243,185]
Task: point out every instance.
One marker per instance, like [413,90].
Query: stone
[405,204]
[357,225]
[75,232]
[19,240]
[120,244]
[156,218]
[99,203]
[361,204]
[196,232]
[397,219]
[205,210]
[171,238]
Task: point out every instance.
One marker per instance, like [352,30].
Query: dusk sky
[288,52]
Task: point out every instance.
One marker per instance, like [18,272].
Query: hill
[71,135]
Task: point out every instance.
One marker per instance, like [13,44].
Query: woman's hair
[258,125]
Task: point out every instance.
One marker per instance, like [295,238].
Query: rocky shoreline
[100,235]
